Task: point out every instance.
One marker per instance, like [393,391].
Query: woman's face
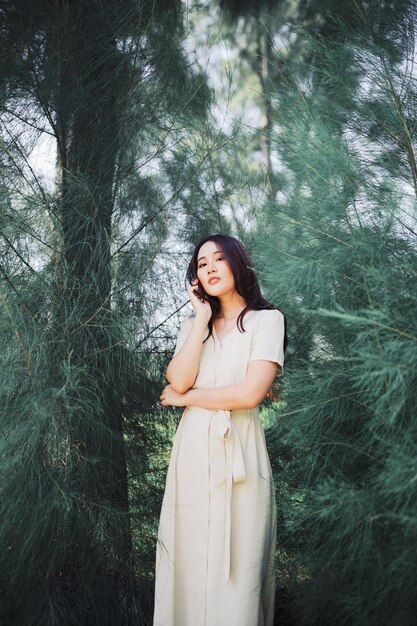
[211,262]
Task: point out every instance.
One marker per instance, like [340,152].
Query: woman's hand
[201,305]
[169,397]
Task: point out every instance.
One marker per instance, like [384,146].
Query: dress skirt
[217,530]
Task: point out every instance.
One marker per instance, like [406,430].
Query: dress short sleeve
[183,332]
[268,339]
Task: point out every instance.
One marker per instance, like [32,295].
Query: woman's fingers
[164,390]
[191,289]
[199,304]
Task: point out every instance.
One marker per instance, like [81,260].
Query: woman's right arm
[183,367]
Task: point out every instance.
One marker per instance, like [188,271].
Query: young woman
[217,529]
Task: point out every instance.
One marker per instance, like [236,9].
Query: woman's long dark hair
[246,282]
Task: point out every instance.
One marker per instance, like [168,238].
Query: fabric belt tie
[235,473]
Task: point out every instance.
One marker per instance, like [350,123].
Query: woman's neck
[232,308]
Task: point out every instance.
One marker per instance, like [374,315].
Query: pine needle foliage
[338,248]
[80,429]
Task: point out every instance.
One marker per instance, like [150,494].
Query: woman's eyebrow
[204,257]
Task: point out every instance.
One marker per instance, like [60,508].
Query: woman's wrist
[201,320]
[188,397]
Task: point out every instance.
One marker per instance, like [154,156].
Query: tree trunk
[91,83]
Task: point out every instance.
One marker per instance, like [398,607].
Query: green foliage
[321,187]
[340,256]
[81,428]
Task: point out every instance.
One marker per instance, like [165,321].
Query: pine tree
[73,381]
[337,248]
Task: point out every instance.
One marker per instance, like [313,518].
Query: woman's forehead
[210,247]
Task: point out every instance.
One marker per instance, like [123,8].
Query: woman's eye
[220,258]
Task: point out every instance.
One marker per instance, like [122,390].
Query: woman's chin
[213,290]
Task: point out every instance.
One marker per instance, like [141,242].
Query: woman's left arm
[246,395]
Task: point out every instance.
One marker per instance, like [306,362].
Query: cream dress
[217,528]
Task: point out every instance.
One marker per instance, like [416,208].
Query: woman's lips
[214,281]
